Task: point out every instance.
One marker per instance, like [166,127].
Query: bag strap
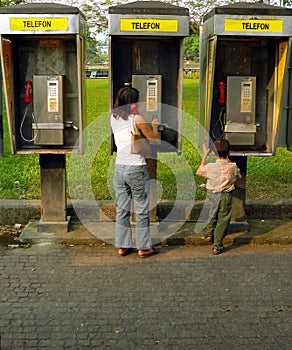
[135,130]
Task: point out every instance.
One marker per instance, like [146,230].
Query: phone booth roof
[248,8]
[39,8]
[149,7]
[149,18]
[248,19]
[34,17]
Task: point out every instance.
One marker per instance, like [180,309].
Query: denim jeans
[132,182]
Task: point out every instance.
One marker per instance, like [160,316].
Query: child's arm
[204,154]
[201,169]
[238,173]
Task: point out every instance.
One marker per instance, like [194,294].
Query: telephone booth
[146,52]
[42,59]
[245,79]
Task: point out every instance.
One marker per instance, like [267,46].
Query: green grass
[90,175]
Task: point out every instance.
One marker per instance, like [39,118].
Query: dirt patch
[9,235]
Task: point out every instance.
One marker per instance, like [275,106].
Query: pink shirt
[220,175]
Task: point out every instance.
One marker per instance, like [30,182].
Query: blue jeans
[132,182]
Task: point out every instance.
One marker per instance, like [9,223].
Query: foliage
[11,2]
[198,9]
[96,13]
[191,46]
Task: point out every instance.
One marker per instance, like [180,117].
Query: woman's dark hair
[125,97]
[222,147]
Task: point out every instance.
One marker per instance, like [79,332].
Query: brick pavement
[55,297]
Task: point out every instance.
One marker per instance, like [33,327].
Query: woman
[131,179]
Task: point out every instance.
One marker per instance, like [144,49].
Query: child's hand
[205,151]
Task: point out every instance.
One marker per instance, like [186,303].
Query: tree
[198,9]
[10,2]
[96,13]
[91,46]
[191,46]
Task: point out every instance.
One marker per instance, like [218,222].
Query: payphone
[150,91]
[48,126]
[240,122]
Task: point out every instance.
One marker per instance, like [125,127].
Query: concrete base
[54,226]
[31,235]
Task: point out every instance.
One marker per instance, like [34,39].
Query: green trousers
[219,216]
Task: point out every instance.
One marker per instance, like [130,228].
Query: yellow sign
[253,25]
[39,24]
[148,25]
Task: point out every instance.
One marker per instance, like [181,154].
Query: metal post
[152,170]
[238,217]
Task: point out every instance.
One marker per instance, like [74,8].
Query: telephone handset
[221,99]
[134,108]
[27,94]
[218,129]
[27,100]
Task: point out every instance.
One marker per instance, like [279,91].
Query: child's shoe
[217,251]
[209,238]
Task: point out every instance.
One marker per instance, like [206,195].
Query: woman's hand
[155,123]
[147,131]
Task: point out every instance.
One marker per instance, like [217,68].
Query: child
[221,177]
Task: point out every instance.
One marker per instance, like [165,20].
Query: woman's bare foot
[125,251]
[145,253]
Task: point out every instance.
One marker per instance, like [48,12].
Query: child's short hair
[222,147]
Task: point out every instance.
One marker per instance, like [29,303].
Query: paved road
[55,297]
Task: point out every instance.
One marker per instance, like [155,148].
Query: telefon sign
[251,25]
[39,23]
[156,25]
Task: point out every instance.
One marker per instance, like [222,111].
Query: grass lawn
[90,175]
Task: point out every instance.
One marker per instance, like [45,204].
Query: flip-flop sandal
[127,252]
[153,252]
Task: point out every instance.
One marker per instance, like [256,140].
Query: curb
[22,211]
[268,222]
